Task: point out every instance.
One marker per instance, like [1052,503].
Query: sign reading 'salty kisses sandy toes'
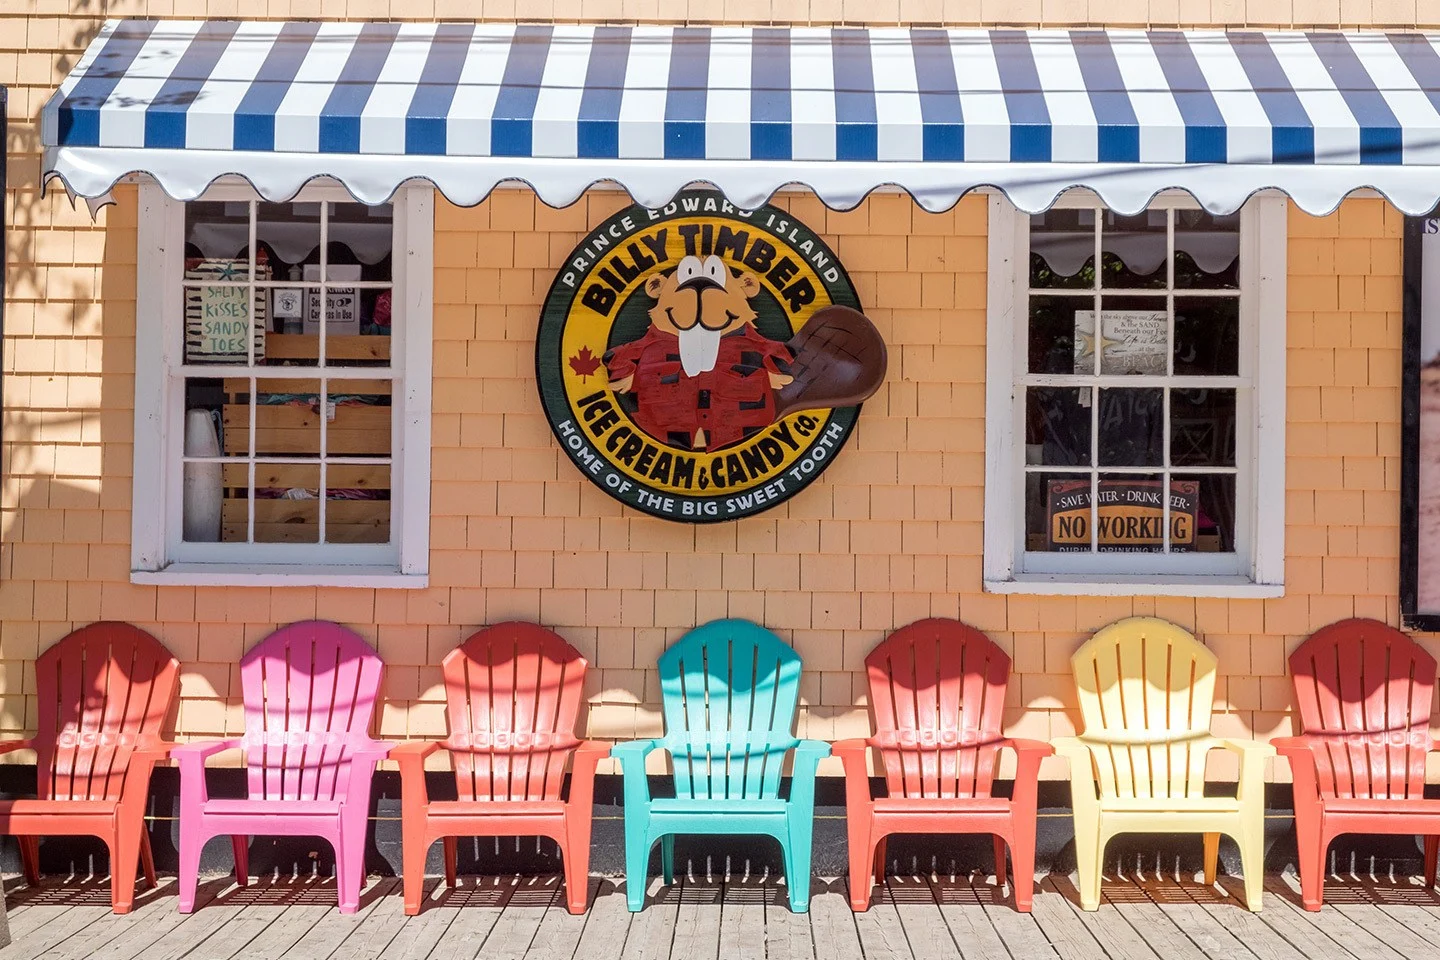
[702,362]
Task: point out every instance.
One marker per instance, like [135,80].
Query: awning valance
[1126,113]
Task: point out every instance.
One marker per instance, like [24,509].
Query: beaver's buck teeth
[699,349]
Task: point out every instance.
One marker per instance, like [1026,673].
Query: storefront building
[1051,365]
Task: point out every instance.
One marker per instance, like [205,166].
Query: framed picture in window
[1420,427]
[223,311]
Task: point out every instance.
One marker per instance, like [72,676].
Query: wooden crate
[294,430]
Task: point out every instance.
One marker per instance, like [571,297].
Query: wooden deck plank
[798,936]
[926,932]
[697,920]
[607,923]
[1207,933]
[1020,932]
[742,919]
[39,940]
[321,940]
[381,925]
[196,927]
[127,937]
[882,935]
[513,933]
[1408,902]
[262,903]
[1294,930]
[1281,900]
[653,928]
[421,933]
[478,903]
[1231,913]
[1152,924]
[1111,931]
[558,936]
[1068,937]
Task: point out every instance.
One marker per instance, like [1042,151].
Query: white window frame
[1257,567]
[157,553]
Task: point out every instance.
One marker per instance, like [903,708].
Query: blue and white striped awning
[1127,113]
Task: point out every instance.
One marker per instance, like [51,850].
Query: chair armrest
[632,756]
[1028,754]
[1252,755]
[1077,751]
[9,746]
[408,752]
[373,752]
[153,752]
[191,758]
[808,754]
[852,754]
[588,753]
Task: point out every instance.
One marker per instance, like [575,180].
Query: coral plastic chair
[1146,691]
[513,693]
[310,692]
[1364,692]
[105,692]
[730,690]
[938,688]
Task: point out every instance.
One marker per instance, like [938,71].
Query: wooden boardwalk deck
[925,918]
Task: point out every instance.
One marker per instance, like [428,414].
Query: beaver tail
[840,360]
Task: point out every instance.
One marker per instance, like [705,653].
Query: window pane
[1052,334]
[217,230]
[1057,512]
[1062,249]
[1132,427]
[1202,428]
[1207,336]
[1134,336]
[208,435]
[287,504]
[225,319]
[1057,426]
[361,236]
[1215,511]
[358,509]
[1133,251]
[1207,250]
[289,233]
[359,419]
[1130,517]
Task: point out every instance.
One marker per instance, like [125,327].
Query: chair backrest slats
[730,691]
[310,693]
[513,694]
[1365,691]
[938,690]
[101,689]
[1138,678]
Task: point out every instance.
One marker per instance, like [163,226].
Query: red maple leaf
[584,363]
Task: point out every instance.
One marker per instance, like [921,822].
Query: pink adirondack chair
[310,692]
[1364,691]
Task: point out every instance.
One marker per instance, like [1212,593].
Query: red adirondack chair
[513,692]
[105,693]
[937,688]
[1364,693]
[310,692]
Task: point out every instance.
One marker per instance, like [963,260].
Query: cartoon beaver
[702,375]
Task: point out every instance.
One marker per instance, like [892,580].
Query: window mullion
[1095,367]
[1170,375]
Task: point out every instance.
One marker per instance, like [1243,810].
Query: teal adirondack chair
[730,690]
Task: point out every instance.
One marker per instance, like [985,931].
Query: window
[1139,361]
[282,389]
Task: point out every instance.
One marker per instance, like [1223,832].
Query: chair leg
[862,875]
[796,850]
[999,860]
[147,859]
[1251,840]
[880,863]
[124,862]
[667,858]
[30,859]
[1090,862]
[191,843]
[1312,851]
[1022,859]
[452,857]
[637,863]
[575,861]
[1432,853]
[413,850]
[240,844]
[1212,857]
[349,876]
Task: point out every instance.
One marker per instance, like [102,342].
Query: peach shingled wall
[890,534]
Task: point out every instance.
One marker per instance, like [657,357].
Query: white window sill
[1135,586]
[279,575]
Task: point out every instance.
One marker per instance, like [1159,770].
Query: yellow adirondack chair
[1146,689]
